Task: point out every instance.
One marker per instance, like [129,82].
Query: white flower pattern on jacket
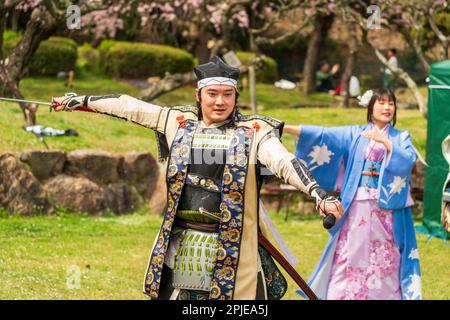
[320,155]
[397,185]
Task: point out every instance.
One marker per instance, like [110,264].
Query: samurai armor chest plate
[194,261]
[207,162]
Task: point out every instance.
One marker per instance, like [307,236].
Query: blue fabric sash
[370,181]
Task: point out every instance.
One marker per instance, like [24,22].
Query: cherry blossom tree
[207,27]
[46,16]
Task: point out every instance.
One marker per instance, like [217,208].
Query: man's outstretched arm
[121,106]
[284,165]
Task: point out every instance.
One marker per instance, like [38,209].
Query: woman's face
[217,103]
[383,110]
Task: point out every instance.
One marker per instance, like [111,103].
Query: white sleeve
[126,107]
[284,165]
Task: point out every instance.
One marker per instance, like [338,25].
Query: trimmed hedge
[53,55]
[268,73]
[88,58]
[142,60]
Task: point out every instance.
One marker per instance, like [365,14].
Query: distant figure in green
[388,77]
[325,77]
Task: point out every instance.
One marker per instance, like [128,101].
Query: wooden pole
[252,80]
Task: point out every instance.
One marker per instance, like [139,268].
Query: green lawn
[111,253]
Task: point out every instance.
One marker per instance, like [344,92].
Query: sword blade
[25,101]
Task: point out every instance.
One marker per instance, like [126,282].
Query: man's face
[217,102]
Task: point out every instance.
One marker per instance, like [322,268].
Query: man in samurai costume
[207,247]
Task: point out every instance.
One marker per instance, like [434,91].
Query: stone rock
[44,163]
[141,169]
[121,198]
[88,181]
[20,192]
[98,166]
[76,194]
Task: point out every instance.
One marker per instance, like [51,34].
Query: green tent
[438,129]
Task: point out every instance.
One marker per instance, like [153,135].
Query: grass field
[111,252]
[38,253]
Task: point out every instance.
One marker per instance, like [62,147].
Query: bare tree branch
[235,3]
[2,29]
[171,82]
[42,24]
[351,58]
[9,4]
[275,18]
[399,72]
[92,5]
[444,39]
[168,83]
[54,9]
[58,8]
[398,25]
[408,80]
[436,30]
[271,41]
[39,27]
[416,47]
[11,88]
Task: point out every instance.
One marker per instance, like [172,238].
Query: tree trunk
[15,20]
[42,24]
[11,88]
[444,53]
[350,63]
[201,48]
[252,80]
[39,28]
[2,29]
[322,25]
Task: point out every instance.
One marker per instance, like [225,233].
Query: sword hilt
[55,103]
[329,221]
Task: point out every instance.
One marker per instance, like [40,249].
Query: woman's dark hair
[199,103]
[379,94]
[393,50]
